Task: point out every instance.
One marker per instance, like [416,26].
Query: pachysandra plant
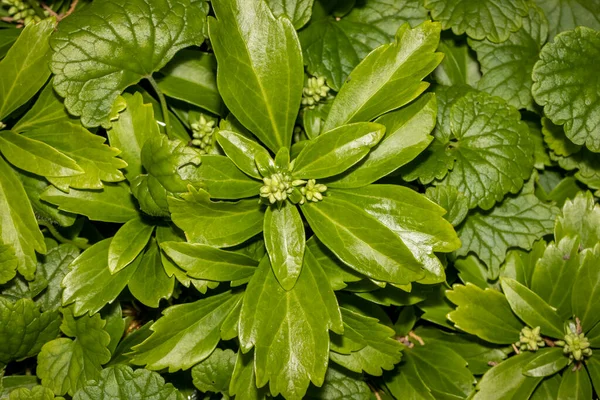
[299,198]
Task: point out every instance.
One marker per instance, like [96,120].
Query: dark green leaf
[243,381]
[298,11]
[150,282]
[340,384]
[34,187]
[214,373]
[575,385]
[53,268]
[564,15]
[459,66]
[546,362]
[337,272]
[507,381]
[129,241]
[451,200]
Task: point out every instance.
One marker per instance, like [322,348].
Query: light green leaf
[8,263]
[150,282]
[36,393]
[575,385]
[115,325]
[564,15]
[186,333]
[18,226]
[337,272]
[546,362]
[114,203]
[96,159]
[242,151]
[340,384]
[580,217]
[407,134]
[34,187]
[122,383]
[484,313]
[507,66]
[520,265]
[297,11]
[547,389]
[585,298]
[118,53]
[373,91]
[532,309]
[24,329]
[65,365]
[491,19]
[223,180]
[24,70]
[451,200]
[89,284]
[516,222]
[53,268]
[191,76]
[129,241]
[243,381]
[285,242]
[459,66]
[214,373]
[262,89]
[219,224]
[289,328]
[593,368]
[565,86]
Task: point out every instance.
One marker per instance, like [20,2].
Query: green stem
[36,7]
[163,103]
[54,232]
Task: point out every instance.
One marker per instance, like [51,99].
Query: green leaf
[223,180]
[507,66]
[219,224]
[289,328]
[242,151]
[115,324]
[593,368]
[129,241]
[297,11]
[491,19]
[333,46]
[186,333]
[65,365]
[53,268]
[271,82]
[507,381]
[8,263]
[24,70]
[96,159]
[516,222]
[451,200]
[89,284]
[492,150]
[122,383]
[191,76]
[243,381]
[546,362]
[285,242]
[119,53]
[7,38]
[337,272]
[129,133]
[24,329]
[150,282]
[484,313]
[124,351]
[335,151]
[555,274]
[564,86]
[459,66]
[372,91]
[377,350]
[580,217]
[18,226]
[405,382]
[547,389]
[585,298]
[113,203]
[575,385]
[407,134]
[36,393]
[214,373]
[340,384]
[564,15]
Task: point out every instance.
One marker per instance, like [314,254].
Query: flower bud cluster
[530,339]
[576,346]
[312,191]
[21,11]
[203,134]
[314,92]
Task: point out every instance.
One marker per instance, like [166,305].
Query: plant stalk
[163,103]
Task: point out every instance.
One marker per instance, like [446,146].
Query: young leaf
[484,313]
[372,90]
[262,89]
[24,329]
[18,226]
[186,333]
[564,86]
[150,282]
[547,362]
[585,298]
[129,241]
[214,373]
[507,381]
[24,70]
[223,180]
[580,217]
[242,151]
[119,54]
[285,242]
[491,19]
[575,385]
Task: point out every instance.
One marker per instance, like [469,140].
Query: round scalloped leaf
[480,19]
[566,84]
[564,15]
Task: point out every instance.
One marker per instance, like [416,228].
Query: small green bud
[315,91]
[576,346]
[202,133]
[277,187]
[530,339]
[312,191]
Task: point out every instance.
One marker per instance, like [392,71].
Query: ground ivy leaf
[491,19]
[214,373]
[516,222]
[459,66]
[24,69]
[580,217]
[263,101]
[564,85]
[297,11]
[219,224]
[289,328]
[372,90]
[118,52]
[507,381]
[186,333]
[585,298]
[36,393]
[18,226]
[24,329]
[492,150]
[507,66]
[484,313]
[334,45]
[53,268]
[150,282]
[122,383]
[89,284]
[380,352]
[340,384]
[65,365]
[564,15]
[129,241]
[450,199]
[114,203]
